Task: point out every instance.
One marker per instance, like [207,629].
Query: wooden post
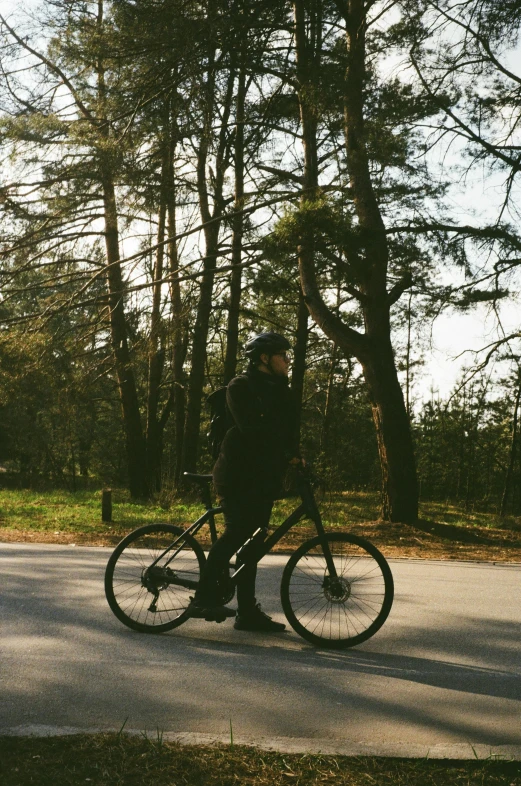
[106,505]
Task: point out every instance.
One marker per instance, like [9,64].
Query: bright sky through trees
[452,336]
[179,175]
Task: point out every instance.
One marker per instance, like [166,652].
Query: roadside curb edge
[326,747]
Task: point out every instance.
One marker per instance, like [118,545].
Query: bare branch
[55,69]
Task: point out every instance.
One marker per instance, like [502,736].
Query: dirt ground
[425,540]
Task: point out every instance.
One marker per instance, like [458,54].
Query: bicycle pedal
[213,616]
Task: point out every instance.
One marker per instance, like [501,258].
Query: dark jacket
[255,451]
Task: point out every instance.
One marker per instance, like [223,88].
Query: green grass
[118,760]
[353,506]
[80,512]
[449,513]
[65,511]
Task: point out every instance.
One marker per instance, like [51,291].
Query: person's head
[268,352]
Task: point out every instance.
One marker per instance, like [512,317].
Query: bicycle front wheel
[343,610]
[148,595]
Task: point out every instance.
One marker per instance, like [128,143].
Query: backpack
[221,419]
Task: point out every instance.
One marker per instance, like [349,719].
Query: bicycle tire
[343,613]
[131,591]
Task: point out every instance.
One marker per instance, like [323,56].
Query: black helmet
[268,343]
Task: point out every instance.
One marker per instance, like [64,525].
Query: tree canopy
[179,175]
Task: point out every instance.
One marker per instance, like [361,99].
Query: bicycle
[336,591]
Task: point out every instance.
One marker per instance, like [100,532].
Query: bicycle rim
[153,598]
[337,611]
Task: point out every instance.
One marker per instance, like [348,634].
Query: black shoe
[205,611]
[256,619]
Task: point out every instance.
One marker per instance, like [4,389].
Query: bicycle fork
[313,512]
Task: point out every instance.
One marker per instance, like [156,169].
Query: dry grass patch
[113,760]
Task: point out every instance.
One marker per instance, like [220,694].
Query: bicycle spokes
[338,607]
[146,588]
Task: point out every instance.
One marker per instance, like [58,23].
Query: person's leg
[243,515]
[251,513]
[217,561]
[250,616]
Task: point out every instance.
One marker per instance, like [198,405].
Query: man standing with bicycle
[248,475]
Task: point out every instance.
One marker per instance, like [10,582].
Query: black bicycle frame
[208,516]
[307,508]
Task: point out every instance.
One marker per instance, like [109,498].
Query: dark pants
[243,514]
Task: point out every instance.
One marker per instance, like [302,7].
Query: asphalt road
[443,676]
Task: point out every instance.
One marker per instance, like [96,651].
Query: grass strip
[112,759]
[444,532]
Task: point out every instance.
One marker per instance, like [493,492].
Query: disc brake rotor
[336,590]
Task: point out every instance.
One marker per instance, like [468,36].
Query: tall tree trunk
[134,439]
[393,434]
[176,399]
[298,370]
[180,340]
[232,328]
[156,352]
[198,364]
[211,235]
[462,446]
[328,408]
[305,68]
[373,348]
[399,483]
[408,348]
[512,457]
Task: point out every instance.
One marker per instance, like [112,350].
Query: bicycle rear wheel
[148,597]
[343,611]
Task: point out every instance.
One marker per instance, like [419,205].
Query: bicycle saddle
[201,479]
